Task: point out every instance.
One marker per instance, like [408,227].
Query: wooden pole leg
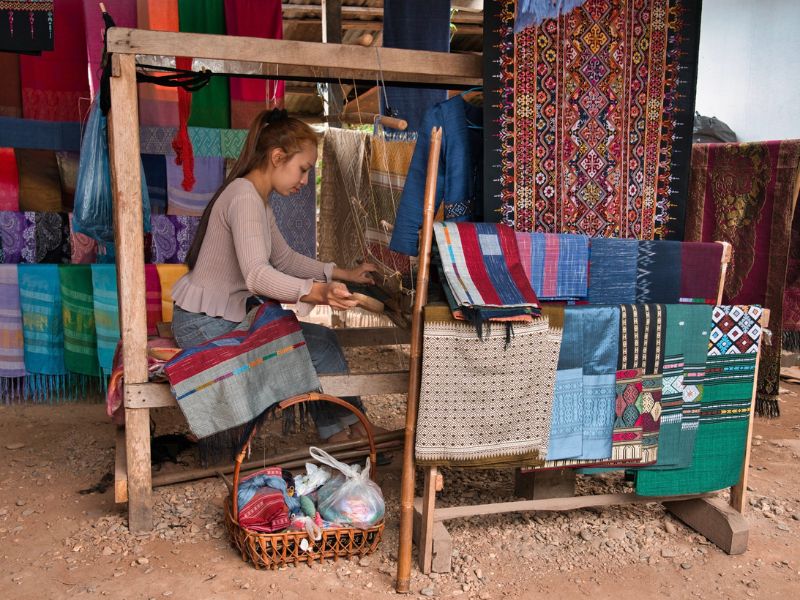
[541,485]
[425,539]
[714,519]
[140,490]
[441,542]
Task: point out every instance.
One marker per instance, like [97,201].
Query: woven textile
[80,337]
[791,298]
[11,90]
[205,141]
[28,26]
[155,172]
[557,265]
[232,142]
[39,180]
[725,409]
[235,377]
[52,237]
[124,15]
[106,314]
[152,287]
[68,165]
[83,248]
[168,275]
[345,175]
[158,106]
[658,277]
[612,271]
[157,140]
[211,104]
[700,271]
[471,414]
[258,19]
[599,147]
[17,237]
[12,362]
[745,194]
[483,270]
[9,180]
[40,135]
[171,237]
[209,172]
[566,434]
[296,217]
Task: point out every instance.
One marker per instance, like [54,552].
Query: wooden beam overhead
[310,60]
[296,12]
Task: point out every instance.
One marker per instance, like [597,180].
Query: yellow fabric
[168,275]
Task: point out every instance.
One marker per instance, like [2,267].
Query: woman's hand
[358,274]
[338,296]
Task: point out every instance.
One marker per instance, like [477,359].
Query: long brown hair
[271,129]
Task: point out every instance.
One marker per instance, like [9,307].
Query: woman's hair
[271,129]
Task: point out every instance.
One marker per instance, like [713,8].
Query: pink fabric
[261,19]
[55,86]
[158,106]
[124,14]
[9,180]
[152,287]
[84,248]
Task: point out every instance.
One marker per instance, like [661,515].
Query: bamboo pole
[415,369]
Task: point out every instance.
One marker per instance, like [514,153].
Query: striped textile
[725,409]
[234,378]
[612,271]
[658,272]
[167,276]
[80,337]
[482,268]
[106,314]
[12,362]
[209,173]
[566,434]
[557,265]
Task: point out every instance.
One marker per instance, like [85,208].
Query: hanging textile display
[12,362]
[54,85]
[157,140]
[746,194]
[39,180]
[211,104]
[700,270]
[483,271]
[296,217]
[106,314]
[28,27]
[345,175]
[43,332]
[9,180]
[11,90]
[17,237]
[152,294]
[155,171]
[599,147]
[658,275]
[415,25]
[258,19]
[791,298]
[158,106]
[566,432]
[209,173]
[556,264]
[124,15]
[612,271]
[232,141]
[471,416]
[206,141]
[232,379]
[168,275]
[725,409]
[80,337]
[68,164]
[52,237]
[171,237]
[534,12]
[39,135]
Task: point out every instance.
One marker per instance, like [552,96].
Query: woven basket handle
[310,397]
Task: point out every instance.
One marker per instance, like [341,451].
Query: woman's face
[289,176]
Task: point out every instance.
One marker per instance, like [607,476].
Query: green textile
[718,452]
[80,337]
[211,106]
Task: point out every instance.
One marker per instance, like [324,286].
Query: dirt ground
[58,543]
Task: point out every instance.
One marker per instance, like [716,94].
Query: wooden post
[403,582]
[425,539]
[332,34]
[123,132]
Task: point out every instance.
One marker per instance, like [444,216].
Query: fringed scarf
[152,287]
[80,335]
[168,275]
[12,362]
[172,237]
[43,332]
[106,315]
[9,180]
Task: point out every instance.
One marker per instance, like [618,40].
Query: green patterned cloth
[205,141]
[211,105]
[718,452]
[80,337]
[232,142]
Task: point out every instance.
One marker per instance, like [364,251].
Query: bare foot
[339,436]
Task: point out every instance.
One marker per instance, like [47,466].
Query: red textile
[158,106]
[261,19]
[266,511]
[124,14]
[9,180]
[55,85]
[700,266]
[791,298]
[182,145]
[10,93]
[152,286]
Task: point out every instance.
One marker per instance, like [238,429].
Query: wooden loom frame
[317,62]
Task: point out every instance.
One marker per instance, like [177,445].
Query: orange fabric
[158,106]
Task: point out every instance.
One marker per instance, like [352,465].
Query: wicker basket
[273,550]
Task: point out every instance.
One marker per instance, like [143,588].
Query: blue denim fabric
[191,329]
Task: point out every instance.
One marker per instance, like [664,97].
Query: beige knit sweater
[243,254]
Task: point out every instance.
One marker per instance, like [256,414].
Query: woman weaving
[238,256]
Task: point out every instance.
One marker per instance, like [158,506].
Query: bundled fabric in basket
[232,379]
[719,447]
[482,268]
[472,414]
[557,265]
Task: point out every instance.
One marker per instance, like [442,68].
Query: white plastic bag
[351,498]
[313,478]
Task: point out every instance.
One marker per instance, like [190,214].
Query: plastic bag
[351,498]
[314,477]
[93,214]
